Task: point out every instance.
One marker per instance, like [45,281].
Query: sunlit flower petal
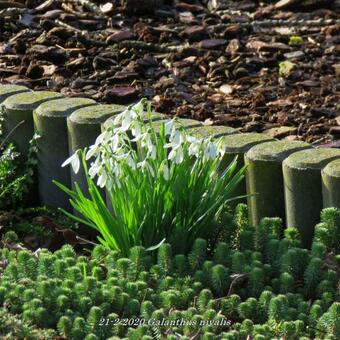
[74,161]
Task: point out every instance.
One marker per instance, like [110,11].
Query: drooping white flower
[93,151]
[74,161]
[168,126]
[165,170]
[179,155]
[211,151]
[102,179]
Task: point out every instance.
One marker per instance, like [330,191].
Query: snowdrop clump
[114,147]
[162,183]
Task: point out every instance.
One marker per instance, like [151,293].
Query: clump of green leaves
[163,184]
[16,175]
[228,292]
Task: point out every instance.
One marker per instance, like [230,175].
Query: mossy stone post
[84,126]
[50,123]
[264,178]
[19,108]
[206,131]
[237,145]
[303,189]
[7,90]
[331,184]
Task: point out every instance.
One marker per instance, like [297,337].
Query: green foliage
[280,291]
[163,184]
[16,175]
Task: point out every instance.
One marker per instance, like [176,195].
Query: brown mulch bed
[215,60]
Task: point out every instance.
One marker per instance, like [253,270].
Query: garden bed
[216,60]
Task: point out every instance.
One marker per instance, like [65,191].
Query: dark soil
[211,60]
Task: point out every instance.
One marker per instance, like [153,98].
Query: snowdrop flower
[211,151]
[102,179]
[74,161]
[131,162]
[168,126]
[93,151]
[176,154]
[95,168]
[165,170]
[176,140]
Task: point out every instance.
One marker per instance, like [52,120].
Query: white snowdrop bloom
[212,150]
[172,154]
[194,148]
[179,155]
[138,109]
[192,139]
[131,162]
[165,170]
[102,138]
[152,152]
[74,161]
[102,179]
[93,151]
[115,140]
[136,129]
[95,168]
[177,139]
[141,164]
[168,126]
[126,121]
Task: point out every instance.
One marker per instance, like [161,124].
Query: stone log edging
[50,122]
[303,188]
[310,178]
[264,178]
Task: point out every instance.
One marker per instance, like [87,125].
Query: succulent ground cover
[254,283]
[254,66]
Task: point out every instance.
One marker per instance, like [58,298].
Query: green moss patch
[62,107]
[29,100]
[312,159]
[332,169]
[9,90]
[240,143]
[275,151]
[212,131]
[95,114]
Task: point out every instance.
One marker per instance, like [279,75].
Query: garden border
[286,183]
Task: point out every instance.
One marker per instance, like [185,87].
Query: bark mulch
[256,66]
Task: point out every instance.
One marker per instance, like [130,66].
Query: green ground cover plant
[164,186]
[258,284]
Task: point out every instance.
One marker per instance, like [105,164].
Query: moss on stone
[332,169]
[29,100]
[205,131]
[240,143]
[275,151]
[7,90]
[62,107]
[95,114]
[312,158]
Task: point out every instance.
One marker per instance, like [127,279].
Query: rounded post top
[240,143]
[95,114]
[62,107]
[275,151]
[29,100]
[332,169]
[311,158]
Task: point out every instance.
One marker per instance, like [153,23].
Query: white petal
[179,156]
[75,163]
[168,126]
